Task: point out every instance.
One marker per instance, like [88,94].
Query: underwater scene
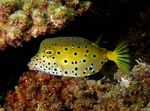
[75,55]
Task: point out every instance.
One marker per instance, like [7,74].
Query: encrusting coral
[38,91]
[21,20]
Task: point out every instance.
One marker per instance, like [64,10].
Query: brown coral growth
[21,20]
[38,91]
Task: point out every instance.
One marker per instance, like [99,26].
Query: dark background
[109,18]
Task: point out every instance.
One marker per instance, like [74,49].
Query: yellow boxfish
[76,57]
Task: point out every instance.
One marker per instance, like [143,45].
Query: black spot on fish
[78,46]
[65,61]
[76,68]
[55,69]
[87,51]
[53,57]
[75,62]
[84,60]
[55,44]
[92,64]
[58,52]
[66,48]
[72,71]
[90,68]
[102,62]
[85,46]
[66,72]
[84,72]
[85,55]
[43,56]
[75,74]
[49,63]
[94,55]
[75,53]
[43,60]
[40,66]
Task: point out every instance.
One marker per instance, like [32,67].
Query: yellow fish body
[76,57]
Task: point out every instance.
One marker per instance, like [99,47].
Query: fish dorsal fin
[96,43]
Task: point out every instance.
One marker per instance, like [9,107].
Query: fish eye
[49,52]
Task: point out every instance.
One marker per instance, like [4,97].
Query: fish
[77,57]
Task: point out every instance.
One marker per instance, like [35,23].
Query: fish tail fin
[121,57]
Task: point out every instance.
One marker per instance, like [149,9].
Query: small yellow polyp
[76,57]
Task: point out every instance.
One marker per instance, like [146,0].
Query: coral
[1,109]
[21,20]
[37,91]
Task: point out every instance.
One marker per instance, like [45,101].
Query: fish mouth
[29,66]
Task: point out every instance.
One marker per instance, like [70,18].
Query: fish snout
[30,65]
